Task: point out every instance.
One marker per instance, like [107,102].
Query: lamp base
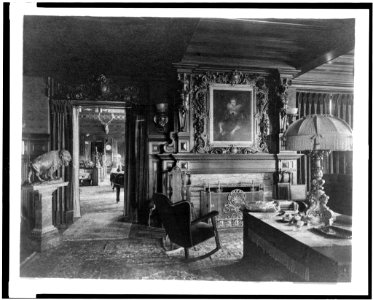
[319,213]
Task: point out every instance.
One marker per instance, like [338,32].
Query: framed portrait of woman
[231,115]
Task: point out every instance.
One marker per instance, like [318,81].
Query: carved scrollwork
[98,88]
[236,199]
[199,92]
[233,150]
[183,107]
[200,112]
[170,147]
[283,103]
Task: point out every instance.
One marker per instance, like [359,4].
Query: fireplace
[225,193]
[211,181]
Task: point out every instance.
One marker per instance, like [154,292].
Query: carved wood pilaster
[184,106]
[284,84]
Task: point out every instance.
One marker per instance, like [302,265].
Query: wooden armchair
[176,219]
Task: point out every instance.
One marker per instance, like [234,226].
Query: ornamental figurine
[45,165]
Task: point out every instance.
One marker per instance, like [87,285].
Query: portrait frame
[232,122]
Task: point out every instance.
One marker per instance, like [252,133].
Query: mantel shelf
[212,157]
[228,163]
[289,155]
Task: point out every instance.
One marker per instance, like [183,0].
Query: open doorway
[101,160]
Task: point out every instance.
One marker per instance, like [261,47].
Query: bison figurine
[44,166]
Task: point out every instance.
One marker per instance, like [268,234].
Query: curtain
[136,166]
[341,105]
[62,139]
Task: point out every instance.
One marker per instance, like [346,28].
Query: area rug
[100,245]
[98,226]
[142,257]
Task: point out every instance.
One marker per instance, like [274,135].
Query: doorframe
[77,104]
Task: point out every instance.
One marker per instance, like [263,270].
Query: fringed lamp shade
[319,132]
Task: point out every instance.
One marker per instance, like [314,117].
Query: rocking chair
[176,219]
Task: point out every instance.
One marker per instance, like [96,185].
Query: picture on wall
[231,115]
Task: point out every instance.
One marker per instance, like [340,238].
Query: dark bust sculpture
[44,166]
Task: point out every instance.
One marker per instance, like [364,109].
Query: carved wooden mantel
[228,163]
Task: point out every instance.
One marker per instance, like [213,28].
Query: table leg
[118,193]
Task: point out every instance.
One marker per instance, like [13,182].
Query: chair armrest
[211,214]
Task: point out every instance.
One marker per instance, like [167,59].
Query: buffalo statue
[44,166]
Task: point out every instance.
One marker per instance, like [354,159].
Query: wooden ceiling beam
[234,62]
[290,23]
[324,58]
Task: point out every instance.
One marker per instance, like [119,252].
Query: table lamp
[318,135]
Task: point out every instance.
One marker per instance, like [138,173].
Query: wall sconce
[161,117]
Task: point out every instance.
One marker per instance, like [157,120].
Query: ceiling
[338,72]
[74,48]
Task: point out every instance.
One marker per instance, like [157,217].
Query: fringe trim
[281,257]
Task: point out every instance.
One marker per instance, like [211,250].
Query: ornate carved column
[183,109]
[287,110]
[285,82]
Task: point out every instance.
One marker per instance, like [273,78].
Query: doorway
[101,161]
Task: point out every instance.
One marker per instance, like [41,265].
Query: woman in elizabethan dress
[233,120]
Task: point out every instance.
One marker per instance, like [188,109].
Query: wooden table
[303,252]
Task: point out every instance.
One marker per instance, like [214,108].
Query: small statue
[46,164]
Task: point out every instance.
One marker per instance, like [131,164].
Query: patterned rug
[141,256]
[100,246]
